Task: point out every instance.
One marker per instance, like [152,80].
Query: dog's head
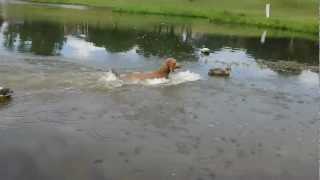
[171,64]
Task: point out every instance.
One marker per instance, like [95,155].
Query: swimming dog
[169,66]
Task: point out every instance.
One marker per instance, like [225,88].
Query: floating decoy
[5,94]
[205,51]
[225,72]
[83,36]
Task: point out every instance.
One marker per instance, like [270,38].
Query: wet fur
[166,68]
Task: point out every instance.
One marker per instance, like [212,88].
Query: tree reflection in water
[164,40]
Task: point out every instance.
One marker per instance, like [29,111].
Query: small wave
[184,76]
[110,80]
[154,82]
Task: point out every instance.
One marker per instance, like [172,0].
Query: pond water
[70,119]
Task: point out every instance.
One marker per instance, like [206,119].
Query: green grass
[293,15]
[102,17]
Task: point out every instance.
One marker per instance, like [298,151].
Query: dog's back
[166,68]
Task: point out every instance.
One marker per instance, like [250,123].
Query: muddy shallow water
[68,121]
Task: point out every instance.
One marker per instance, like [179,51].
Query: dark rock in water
[220,72]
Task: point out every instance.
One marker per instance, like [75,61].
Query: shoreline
[224,17]
[106,17]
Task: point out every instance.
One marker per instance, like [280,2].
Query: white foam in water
[153,82]
[174,79]
[184,76]
[109,76]
[309,78]
[110,80]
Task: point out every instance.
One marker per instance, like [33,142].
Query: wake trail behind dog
[110,80]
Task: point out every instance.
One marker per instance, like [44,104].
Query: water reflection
[289,49]
[49,38]
[41,38]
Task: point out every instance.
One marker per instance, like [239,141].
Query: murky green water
[66,122]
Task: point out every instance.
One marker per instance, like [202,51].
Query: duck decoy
[5,94]
[205,51]
[224,72]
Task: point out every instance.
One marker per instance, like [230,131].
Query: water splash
[309,78]
[110,80]
[184,76]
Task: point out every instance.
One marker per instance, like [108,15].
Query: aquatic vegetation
[288,66]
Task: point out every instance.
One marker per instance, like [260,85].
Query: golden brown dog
[166,68]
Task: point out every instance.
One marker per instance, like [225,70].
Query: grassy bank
[293,15]
[102,17]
